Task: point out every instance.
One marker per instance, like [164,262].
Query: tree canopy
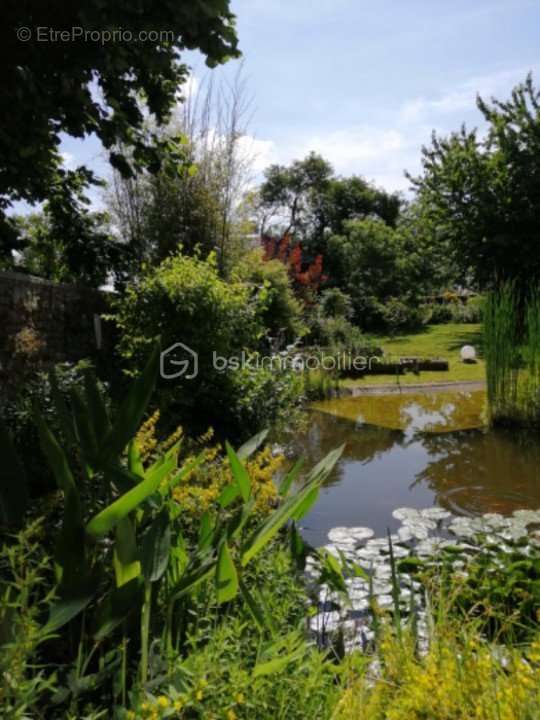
[106,85]
[481,193]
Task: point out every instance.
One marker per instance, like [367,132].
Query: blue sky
[364,82]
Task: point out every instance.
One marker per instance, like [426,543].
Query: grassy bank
[434,341]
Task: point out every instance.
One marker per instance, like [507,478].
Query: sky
[364,83]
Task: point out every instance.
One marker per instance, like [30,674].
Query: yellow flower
[199,695]
[231,715]
[130,715]
[239,698]
[163,701]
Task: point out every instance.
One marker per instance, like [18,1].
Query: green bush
[439,313]
[184,300]
[276,305]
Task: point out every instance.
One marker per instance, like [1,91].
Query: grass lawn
[441,341]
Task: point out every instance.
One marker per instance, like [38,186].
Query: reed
[512,353]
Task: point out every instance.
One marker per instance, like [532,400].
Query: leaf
[65,610]
[125,556]
[62,412]
[156,546]
[228,495]
[290,477]
[292,505]
[97,409]
[132,410]
[308,502]
[257,611]
[135,465]
[85,431]
[239,472]
[108,518]
[206,532]
[226,575]
[13,482]
[249,447]
[116,606]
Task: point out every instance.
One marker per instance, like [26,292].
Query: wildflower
[163,702]
[199,695]
[239,698]
[231,715]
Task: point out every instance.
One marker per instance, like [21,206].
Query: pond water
[414,450]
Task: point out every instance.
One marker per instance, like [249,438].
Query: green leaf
[116,607]
[65,610]
[293,505]
[97,409]
[228,495]
[290,477]
[134,459]
[249,447]
[156,545]
[239,472]
[62,412]
[226,575]
[13,483]
[257,611]
[125,556]
[85,432]
[105,520]
[308,502]
[132,410]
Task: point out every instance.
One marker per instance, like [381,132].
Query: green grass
[433,341]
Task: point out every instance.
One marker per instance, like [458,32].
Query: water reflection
[415,450]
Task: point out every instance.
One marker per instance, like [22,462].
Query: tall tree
[308,200]
[117,63]
[481,193]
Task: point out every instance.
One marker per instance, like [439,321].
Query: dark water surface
[415,450]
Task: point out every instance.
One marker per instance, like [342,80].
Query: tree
[307,199]
[66,242]
[91,83]
[482,194]
[376,266]
[192,203]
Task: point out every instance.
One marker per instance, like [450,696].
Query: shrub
[335,303]
[185,301]
[439,313]
[276,305]
[399,315]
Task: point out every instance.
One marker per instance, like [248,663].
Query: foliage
[335,303]
[107,85]
[307,275]
[480,194]
[66,242]
[184,300]
[306,199]
[370,263]
[512,350]
[193,201]
[25,569]
[17,414]
[125,572]
[279,310]
[462,676]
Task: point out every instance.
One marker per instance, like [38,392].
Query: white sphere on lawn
[468,353]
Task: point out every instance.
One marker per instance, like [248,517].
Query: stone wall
[42,323]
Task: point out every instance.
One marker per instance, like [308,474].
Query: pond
[416,450]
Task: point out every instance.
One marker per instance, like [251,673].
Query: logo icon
[178,360]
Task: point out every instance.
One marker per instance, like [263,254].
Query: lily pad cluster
[384,575]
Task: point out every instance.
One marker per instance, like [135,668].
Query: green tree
[67,242]
[307,199]
[91,85]
[481,194]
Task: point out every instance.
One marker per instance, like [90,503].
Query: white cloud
[68,159]
[463,97]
